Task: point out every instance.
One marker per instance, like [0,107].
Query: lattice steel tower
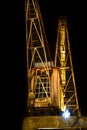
[63,61]
[38,58]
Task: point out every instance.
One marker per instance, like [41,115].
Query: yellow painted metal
[37,50]
[63,61]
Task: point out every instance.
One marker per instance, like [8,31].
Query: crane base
[54,122]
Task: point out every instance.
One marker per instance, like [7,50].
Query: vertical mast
[63,60]
[37,49]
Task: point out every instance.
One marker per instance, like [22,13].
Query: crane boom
[63,61]
[38,56]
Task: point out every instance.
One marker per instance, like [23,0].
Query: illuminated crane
[44,90]
[51,85]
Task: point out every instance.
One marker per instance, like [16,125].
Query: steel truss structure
[51,84]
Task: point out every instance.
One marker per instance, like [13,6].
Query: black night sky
[51,10]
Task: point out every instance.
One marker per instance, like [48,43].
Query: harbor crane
[52,101]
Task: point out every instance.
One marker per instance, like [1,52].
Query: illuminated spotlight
[66,114]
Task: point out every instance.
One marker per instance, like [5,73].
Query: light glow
[66,114]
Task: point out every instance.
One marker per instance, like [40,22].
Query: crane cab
[45,89]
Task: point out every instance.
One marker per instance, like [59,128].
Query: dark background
[15,65]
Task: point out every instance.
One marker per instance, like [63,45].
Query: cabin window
[42,88]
